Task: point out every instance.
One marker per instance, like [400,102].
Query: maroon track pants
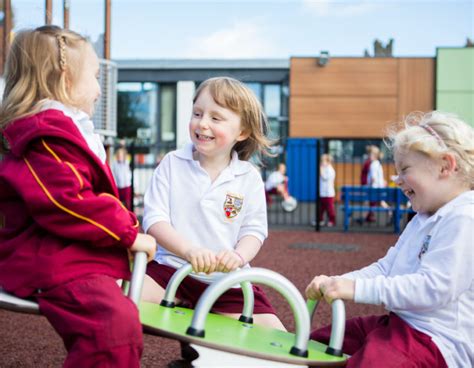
[327,205]
[385,341]
[98,324]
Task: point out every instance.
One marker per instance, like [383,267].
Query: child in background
[365,166]
[123,176]
[426,280]
[327,175]
[206,202]
[64,236]
[277,182]
[375,179]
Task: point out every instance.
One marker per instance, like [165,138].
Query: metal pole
[108,6]
[132,168]
[7,27]
[48,12]
[319,150]
[66,8]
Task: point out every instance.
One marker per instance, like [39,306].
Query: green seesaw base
[227,334]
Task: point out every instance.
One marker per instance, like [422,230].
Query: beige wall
[357,97]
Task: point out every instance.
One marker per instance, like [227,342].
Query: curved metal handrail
[266,277]
[338,324]
[186,269]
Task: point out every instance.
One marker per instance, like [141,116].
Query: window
[137,112]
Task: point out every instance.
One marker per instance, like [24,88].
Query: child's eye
[216,118]
[196,114]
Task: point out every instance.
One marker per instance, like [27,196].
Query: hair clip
[433,133]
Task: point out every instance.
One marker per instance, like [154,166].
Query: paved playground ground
[29,341]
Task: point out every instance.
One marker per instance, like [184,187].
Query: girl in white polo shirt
[206,203]
[426,280]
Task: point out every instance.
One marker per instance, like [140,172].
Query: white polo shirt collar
[466,197]
[235,168]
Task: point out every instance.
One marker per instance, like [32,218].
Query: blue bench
[357,198]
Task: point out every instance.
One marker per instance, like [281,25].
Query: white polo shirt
[274,179]
[427,278]
[326,182]
[375,176]
[211,215]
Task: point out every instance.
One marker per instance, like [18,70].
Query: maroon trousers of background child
[385,341]
[327,206]
[98,324]
[125,195]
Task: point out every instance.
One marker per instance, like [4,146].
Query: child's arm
[202,259]
[246,250]
[445,272]
[63,199]
[344,286]
[157,222]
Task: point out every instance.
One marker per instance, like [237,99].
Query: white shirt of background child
[326,182]
[274,179]
[435,255]
[122,173]
[375,177]
[181,194]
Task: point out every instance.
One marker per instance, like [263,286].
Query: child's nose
[203,123]
[397,179]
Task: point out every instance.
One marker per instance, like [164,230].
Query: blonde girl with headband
[64,235]
[426,280]
[206,202]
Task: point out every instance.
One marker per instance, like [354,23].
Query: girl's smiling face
[214,129]
[418,177]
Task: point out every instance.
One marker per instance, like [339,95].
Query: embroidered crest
[424,247]
[233,204]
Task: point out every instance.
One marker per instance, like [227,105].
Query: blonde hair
[326,157]
[40,65]
[236,96]
[434,134]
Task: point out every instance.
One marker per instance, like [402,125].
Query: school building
[345,102]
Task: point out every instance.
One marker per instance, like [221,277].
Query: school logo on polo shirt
[425,246]
[233,204]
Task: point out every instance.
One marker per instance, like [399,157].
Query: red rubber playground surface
[29,341]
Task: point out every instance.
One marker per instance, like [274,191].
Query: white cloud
[347,8]
[240,40]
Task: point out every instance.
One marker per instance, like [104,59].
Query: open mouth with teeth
[203,137]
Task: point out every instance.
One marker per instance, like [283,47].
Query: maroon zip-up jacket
[60,218]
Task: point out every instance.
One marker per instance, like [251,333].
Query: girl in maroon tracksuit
[64,235]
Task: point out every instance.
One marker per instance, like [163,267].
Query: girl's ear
[243,136]
[448,165]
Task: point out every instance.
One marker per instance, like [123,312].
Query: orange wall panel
[357,97]
[344,76]
[416,80]
[361,117]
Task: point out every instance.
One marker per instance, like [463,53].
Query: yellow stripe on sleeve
[81,182]
[114,197]
[72,213]
[50,150]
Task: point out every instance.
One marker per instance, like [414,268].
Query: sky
[177,29]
